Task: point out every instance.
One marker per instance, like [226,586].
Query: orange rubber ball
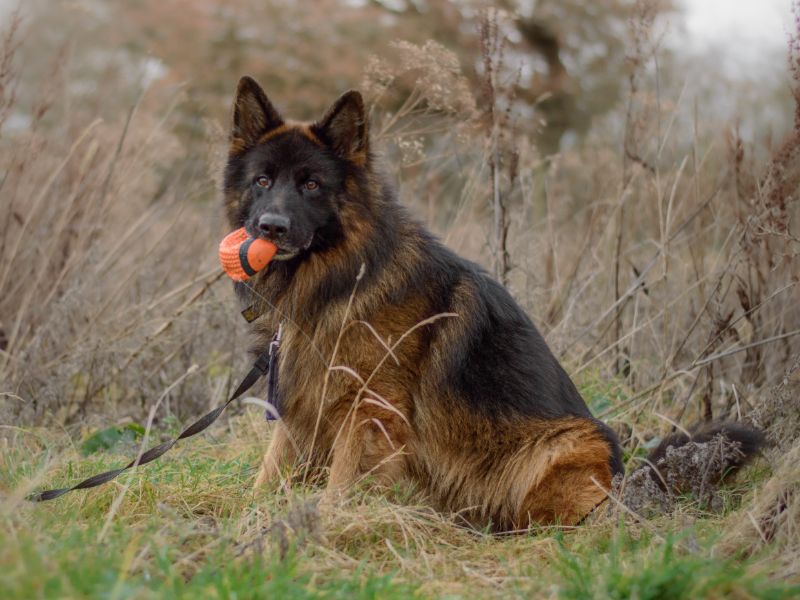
[243,256]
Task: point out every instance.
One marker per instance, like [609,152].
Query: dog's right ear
[253,114]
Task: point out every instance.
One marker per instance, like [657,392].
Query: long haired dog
[399,359]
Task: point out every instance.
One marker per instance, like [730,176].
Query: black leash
[266,363]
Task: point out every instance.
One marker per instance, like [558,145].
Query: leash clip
[276,340]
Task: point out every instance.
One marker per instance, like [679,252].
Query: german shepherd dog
[399,360]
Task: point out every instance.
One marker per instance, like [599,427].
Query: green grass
[72,564]
[190,526]
[631,568]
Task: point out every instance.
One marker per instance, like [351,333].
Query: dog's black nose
[273,226]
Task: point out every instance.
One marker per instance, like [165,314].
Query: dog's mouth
[286,251]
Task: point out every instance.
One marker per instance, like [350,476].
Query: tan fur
[279,452]
[239,145]
[303,129]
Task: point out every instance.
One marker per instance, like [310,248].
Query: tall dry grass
[659,257]
[662,265]
[107,261]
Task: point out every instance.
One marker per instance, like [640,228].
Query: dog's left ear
[345,129]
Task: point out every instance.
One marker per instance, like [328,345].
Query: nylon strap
[260,368]
[273,412]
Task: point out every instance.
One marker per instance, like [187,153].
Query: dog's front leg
[279,452]
[348,449]
[367,444]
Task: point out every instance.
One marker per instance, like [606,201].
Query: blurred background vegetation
[621,165]
[569,59]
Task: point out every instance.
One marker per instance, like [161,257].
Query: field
[190,526]
[657,252]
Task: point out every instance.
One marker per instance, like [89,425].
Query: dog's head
[286,181]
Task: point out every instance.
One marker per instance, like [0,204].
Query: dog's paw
[263,480]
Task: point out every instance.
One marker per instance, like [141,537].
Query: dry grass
[194,514]
[770,521]
[659,258]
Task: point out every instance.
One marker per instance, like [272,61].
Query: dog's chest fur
[337,366]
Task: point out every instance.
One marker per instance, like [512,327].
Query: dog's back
[501,432]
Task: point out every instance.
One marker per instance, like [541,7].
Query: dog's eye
[263,181]
[311,185]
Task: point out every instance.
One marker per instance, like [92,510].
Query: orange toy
[243,256]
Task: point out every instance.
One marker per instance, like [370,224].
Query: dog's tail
[707,454]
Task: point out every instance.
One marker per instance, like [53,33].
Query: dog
[399,360]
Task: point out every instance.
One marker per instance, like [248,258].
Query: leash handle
[262,365]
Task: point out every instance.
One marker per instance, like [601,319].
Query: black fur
[750,440]
[679,475]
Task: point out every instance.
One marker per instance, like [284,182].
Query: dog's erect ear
[344,127]
[253,113]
